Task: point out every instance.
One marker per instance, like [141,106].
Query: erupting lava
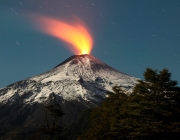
[76,34]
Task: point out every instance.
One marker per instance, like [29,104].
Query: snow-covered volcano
[78,83]
[79,77]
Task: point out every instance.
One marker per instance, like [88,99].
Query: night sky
[129,35]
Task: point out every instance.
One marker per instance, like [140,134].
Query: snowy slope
[80,77]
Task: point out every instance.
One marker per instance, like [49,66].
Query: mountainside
[80,76]
[79,82]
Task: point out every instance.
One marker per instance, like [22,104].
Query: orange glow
[76,34]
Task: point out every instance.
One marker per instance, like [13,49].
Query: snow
[58,77]
[77,77]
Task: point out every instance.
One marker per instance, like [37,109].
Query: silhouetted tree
[51,126]
[152,111]
[163,94]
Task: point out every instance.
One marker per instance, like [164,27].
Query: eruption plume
[75,34]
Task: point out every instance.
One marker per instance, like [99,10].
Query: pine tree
[164,94]
[152,111]
[104,117]
[51,127]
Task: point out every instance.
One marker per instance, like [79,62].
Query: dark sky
[129,35]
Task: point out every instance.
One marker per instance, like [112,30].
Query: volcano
[78,83]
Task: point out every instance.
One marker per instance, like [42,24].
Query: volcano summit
[78,83]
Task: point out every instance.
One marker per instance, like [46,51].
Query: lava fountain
[75,34]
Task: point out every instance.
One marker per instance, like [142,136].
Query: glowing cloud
[75,34]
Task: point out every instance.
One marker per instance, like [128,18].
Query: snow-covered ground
[80,76]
